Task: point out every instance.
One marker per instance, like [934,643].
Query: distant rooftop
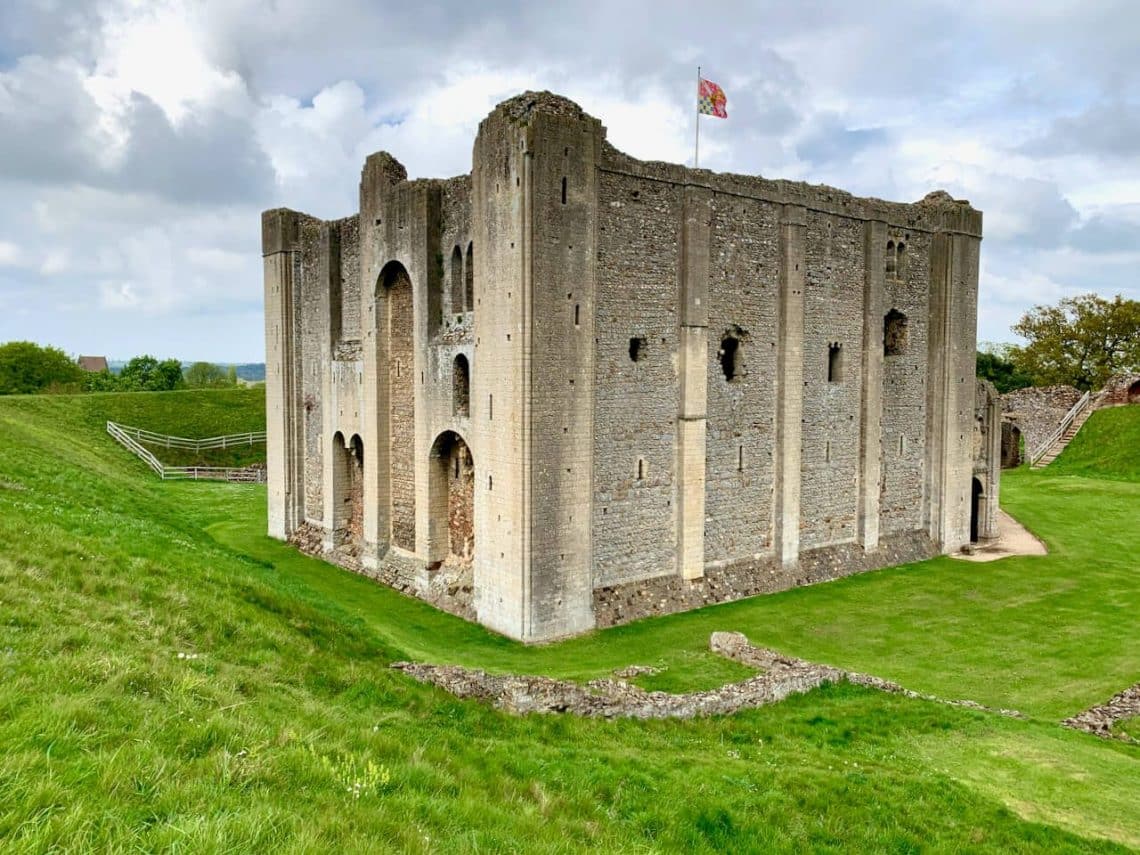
[93,363]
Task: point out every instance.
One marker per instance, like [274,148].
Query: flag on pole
[711,99]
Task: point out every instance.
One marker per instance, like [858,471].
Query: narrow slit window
[827,451]
[636,349]
[891,260]
[834,363]
[577,314]
[563,189]
[490,407]
[461,380]
[740,458]
[640,469]
[469,278]
[729,356]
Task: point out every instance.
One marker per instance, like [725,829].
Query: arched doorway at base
[451,499]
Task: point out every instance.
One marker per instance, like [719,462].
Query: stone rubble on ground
[615,698]
[1100,720]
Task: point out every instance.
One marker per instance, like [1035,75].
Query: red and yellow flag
[711,99]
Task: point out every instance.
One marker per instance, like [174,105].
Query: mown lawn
[172,679]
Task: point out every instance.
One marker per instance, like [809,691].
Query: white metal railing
[1070,417]
[129,438]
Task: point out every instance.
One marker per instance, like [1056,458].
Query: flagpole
[697,143]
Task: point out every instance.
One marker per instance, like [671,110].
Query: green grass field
[173,679]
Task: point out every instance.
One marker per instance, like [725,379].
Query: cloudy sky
[140,139]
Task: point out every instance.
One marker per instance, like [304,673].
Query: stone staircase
[1051,449]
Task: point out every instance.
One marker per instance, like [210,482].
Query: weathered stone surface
[617,604]
[1038,411]
[1101,719]
[676,387]
[782,676]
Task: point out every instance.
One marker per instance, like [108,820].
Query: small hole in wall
[508,336]
[490,482]
[518,181]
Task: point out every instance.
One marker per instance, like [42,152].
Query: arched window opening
[729,355]
[469,278]
[834,362]
[456,281]
[461,384]
[891,259]
[637,349]
[900,260]
[894,333]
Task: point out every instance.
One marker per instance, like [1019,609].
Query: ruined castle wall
[635,402]
[314,335]
[455,233]
[743,300]
[1039,410]
[497,397]
[833,315]
[904,392]
[348,264]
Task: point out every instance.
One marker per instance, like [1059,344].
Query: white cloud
[142,137]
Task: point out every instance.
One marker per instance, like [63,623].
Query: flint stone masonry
[681,387]
[1101,719]
[1038,411]
[615,698]
[1121,389]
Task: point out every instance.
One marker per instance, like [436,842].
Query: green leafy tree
[205,375]
[26,367]
[147,374]
[231,376]
[1082,341]
[995,365]
[100,381]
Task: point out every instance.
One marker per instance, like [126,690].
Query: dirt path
[1013,539]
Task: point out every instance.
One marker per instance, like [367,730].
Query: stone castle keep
[573,388]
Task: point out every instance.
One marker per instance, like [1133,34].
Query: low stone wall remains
[615,698]
[1101,719]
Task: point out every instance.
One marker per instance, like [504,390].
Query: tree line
[1081,341]
[28,368]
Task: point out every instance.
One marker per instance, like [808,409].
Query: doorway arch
[977,497]
[451,491]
